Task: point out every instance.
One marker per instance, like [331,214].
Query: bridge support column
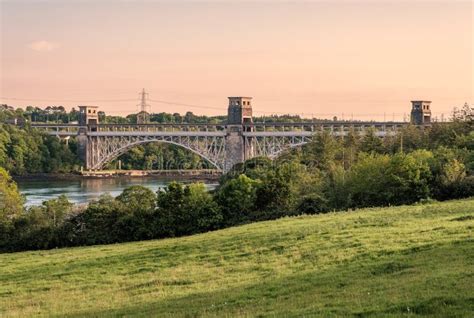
[88,119]
[234,147]
[239,117]
[83,149]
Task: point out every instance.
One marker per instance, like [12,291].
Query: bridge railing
[156,127]
[58,129]
[323,126]
[72,129]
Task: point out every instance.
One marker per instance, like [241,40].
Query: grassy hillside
[402,261]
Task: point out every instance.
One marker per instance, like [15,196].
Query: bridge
[222,145]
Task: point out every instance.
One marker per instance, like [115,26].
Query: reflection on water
[82,191]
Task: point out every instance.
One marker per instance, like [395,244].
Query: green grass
[401,261]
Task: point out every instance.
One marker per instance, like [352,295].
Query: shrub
[183,210]
[313,204]
[236,198]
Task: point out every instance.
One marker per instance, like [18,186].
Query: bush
[236,198]
[313,204]
[184,210]
[98,224]
[456,190]
[381,180]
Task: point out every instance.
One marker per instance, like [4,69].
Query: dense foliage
[27,151]
[11,203]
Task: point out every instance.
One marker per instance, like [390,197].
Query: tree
[408,177]
[4,141]
[57,209]
[202,208]
[138,199]
[138,207]
[11,202]
[453,171]
[371,143]
[407,139]
[40,226]
[351,144]
[322,151]
[237,198]
[336,189]
[366,180]
[11,207]
[280,189]
[380,180]
[184,210]
[98,224]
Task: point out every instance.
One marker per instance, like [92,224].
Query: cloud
[43,46]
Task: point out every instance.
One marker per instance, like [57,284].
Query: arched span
[288,148]
[118,152]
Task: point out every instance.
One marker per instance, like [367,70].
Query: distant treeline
[329,174]
[27,151]
[58,114]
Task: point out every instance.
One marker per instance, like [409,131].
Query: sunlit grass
[415,260]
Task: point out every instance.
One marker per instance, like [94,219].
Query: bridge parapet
[331,127]
[58,129]
[165,127]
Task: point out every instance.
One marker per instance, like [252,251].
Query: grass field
[402,261]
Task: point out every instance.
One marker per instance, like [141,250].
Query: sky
[360,59]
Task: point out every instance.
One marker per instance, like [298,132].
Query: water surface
[85,190]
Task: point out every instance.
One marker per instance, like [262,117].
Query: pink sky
[327,57]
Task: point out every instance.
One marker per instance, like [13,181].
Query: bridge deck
[209,130]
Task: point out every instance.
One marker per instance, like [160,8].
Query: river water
[85,190]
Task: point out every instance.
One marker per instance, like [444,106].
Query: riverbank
[204,174]
[181,175]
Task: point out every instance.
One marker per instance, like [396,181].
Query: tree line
[328,174]
[28,151]
[58,114]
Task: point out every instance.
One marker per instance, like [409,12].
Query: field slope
[402,261]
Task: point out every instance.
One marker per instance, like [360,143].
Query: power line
[185,105]
[69,100]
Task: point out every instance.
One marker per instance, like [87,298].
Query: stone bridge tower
[88,119]
[239,114]
[88,115]
[420,112]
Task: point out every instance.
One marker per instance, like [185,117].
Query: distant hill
[391,262]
